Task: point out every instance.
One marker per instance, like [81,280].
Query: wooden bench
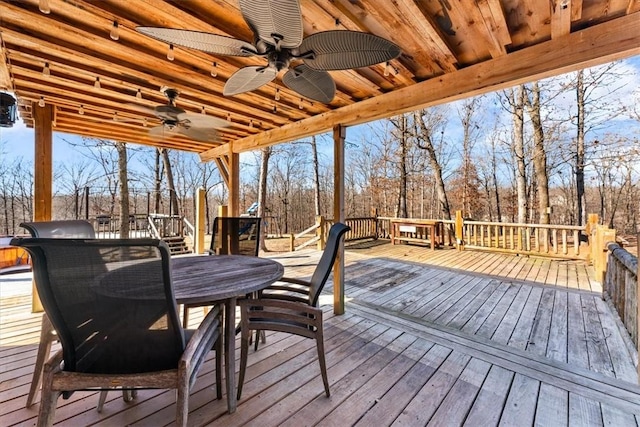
[421,228]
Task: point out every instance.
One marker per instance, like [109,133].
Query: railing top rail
[627,259]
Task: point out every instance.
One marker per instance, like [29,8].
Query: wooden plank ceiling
[450,49]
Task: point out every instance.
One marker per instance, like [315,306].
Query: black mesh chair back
[110,301]
[236,236]
[66,229]
[321,273]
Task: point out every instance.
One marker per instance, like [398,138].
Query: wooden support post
[459,230]
[338,215]
[234,182]
[638,305]
[198,237]
[43,175]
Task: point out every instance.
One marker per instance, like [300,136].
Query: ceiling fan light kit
[278,38]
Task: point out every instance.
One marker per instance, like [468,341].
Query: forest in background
[546,152]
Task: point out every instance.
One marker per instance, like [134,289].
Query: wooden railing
[361,228]
[561,241]
[108,227]
[621,287]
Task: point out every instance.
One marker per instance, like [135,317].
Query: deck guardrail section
[621,286]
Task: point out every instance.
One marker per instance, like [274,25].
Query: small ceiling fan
[277,29]
[175,120]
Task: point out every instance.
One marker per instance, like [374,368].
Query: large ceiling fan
[175,120]
[277,29]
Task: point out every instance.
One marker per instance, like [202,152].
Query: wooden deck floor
[423,342]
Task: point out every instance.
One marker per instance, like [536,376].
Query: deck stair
[177,245]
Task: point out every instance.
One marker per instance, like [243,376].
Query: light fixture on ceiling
[96,84]
[41,102]
[139,93]
[300,106]
[115,116]
[387,67]
[214,70]
[228,117]
[46,71]
[170,54]
[277,94]
[115,32]
[250,124]
[43,5]
[81,110]
[203,111]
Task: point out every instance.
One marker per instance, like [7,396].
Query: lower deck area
[438,338]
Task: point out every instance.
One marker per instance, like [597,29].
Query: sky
[18,142]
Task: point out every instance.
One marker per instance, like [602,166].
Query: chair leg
[48,401]
[244,350]
[219,356]
[182,404]
[102,399]
[47,336]
[323,364]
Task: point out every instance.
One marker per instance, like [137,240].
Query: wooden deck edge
[617,393]
[492,276]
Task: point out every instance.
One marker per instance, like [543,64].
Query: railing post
[459,230]
[603,236]
[374,215]
[292,242]
[589,229]
[224,242]
[320,232]
[198,235]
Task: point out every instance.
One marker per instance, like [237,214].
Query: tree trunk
[580,154]
[262,195]
[157,182]
[173,196]
[518,150]
[401,211]
[316,176]
[426,143]
[123,179]
[539,154]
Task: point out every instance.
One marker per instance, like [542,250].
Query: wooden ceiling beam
[614,39]
[5,76]
[496,25]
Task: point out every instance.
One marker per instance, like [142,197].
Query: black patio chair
[112,304]
[291,305]
[231,236]
[78,229]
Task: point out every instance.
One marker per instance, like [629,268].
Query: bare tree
[262,194]
[539,152]
[427,121]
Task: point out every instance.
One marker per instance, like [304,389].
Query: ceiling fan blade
[342,50]
[269,17]
[310,83]
[247,79]
[204,135]
[201,121]
[207,42]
